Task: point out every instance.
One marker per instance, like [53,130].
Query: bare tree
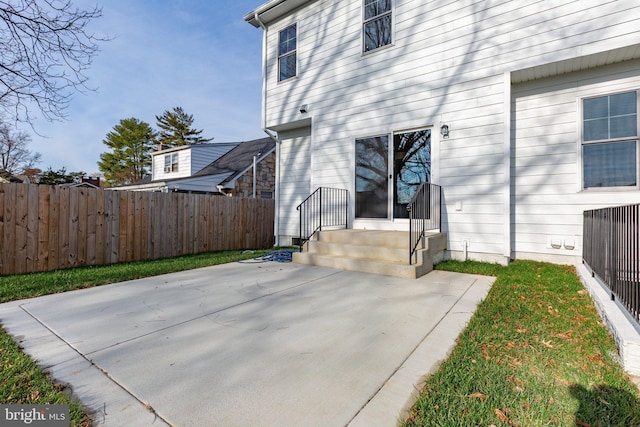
[15,156]
[45,49]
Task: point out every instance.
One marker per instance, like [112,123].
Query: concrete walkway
[242,344]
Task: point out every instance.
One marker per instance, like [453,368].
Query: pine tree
[131,143]
[175,129]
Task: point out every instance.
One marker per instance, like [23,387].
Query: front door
[389,170]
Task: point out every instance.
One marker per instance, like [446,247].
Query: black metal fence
[424,214]
[611,249]
[325,207]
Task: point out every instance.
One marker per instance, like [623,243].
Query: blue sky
[199,55]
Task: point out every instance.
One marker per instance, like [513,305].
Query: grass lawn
[534,354]
[21,381]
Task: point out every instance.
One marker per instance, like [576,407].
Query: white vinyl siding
[183,159]
[548,200]
[447,64]
[293,179]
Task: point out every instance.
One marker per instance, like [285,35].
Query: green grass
[13,288]
[534,354]
[21,381]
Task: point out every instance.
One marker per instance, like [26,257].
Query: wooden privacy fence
[48,228]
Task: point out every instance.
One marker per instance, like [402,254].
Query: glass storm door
[388,175]
[372,177]
[411,167]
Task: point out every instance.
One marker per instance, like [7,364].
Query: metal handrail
[325,207]
[425,212]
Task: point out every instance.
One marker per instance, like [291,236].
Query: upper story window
[610,140]
[287,45]
[377,24]
[171,163]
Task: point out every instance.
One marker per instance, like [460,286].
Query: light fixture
[303,108]
[444,131]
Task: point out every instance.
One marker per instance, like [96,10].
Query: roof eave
[272,11]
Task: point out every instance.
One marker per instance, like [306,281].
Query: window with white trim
[377,24]
[610,140]
[287,48]
[171,163]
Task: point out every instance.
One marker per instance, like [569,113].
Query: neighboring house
[237,168]
[6,178]
[228,171]
[526,113]
[85,182]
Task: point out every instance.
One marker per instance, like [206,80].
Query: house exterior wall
[265,179]
[449,63]
[293,181]
[548,199]
[191,159]
[184,165]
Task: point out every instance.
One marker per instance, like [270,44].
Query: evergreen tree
[175,129]
[51,177]
[131,143]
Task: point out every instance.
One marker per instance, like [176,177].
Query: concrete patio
[248,344]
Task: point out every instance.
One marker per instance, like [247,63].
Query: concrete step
[371,251]
[346,250]
[388,239]
[363,265]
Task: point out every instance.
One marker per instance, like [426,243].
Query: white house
[539,99]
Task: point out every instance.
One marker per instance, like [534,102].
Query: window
[171,163]
[377,24]
[287,53]
[610,141]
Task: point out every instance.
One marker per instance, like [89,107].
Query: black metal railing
[325,207]
[611,250]
[425,214]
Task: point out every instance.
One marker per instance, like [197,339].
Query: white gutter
[274,10]
[263,124]
[262,9]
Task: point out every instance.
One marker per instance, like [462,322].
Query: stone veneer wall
[266,179]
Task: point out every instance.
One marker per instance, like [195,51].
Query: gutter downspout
[506,162]
[264,125]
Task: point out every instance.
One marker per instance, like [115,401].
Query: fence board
[83,227]
[9,240]
[54,228]
[73,226]
[4,249]
[46,227]
[44,197]
[92,227]
[63,223]
[21,213]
